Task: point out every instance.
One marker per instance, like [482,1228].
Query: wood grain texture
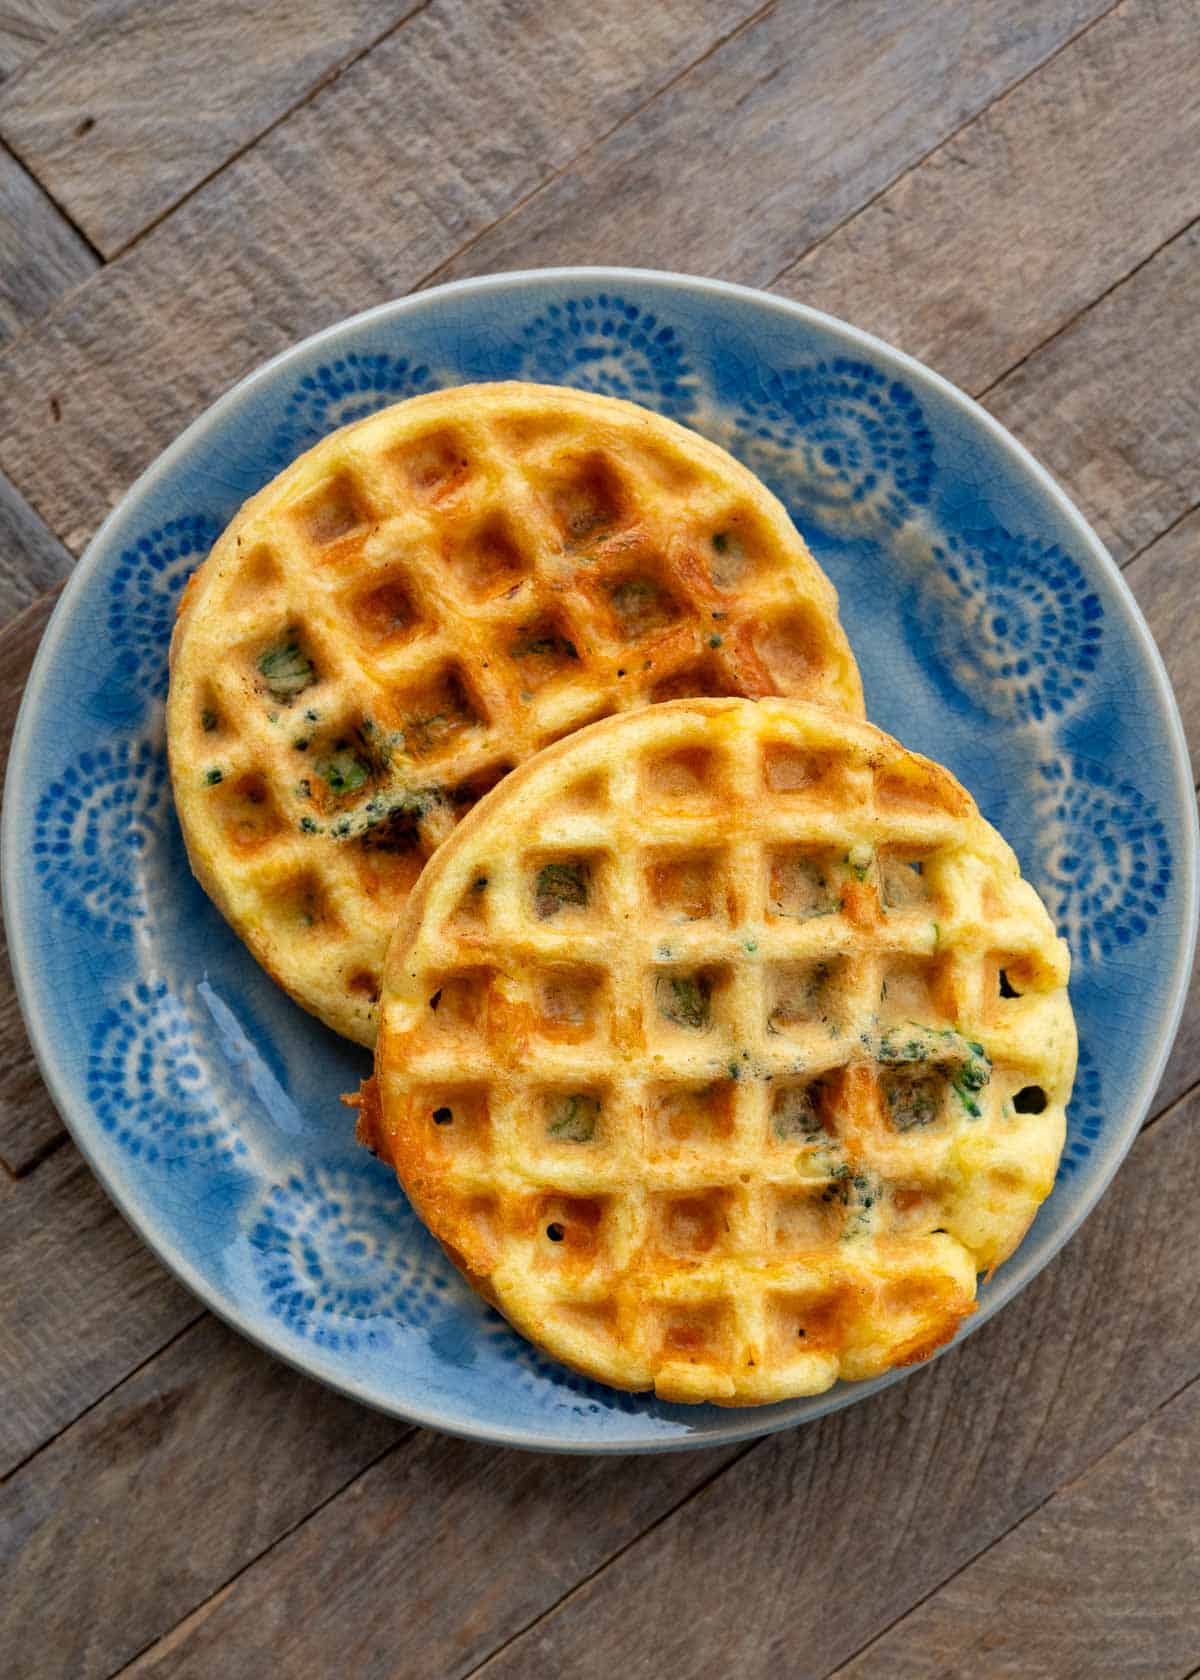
[1112,404]
[1103,1580]
[792,1558]
[1183,1067]
[139,103]
[1033,210]
[84,1302]
[1164,578]
[818,1540]
[205,1457]
[353,199]
[430,1561]
[770,142]
[41,255]
[32,561]
[27,27]
[29,1122]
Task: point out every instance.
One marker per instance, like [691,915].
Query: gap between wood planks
[1145,544]
[333,74]
[1063,1489]
[18,162]
[1078,1309]
[947,140]
[42,1153]
[1138,551]
[967,1562]
[431,279]
[246,178]
[164,1642]
[1152,1120]
[336,72]
[1173,523]
[198,1612]
[134,1370]
[1080,314]
[1082,1470]
[327,77]
[1019,361]
[999,100]
[831,1674]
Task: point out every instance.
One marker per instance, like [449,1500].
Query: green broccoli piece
[685,999]
[560,886]
[575,1118]
[859,860]
[343,772]
[286,669]
[795,1118]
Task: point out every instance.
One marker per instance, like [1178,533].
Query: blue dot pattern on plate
[1104,863]
[857,437]
[333,1245]
[1006,633]
[1085,1118]
[1020,624]
[144,592]
[609,345]
[338,393]
[535,1373]
[95,828]
[151,1091]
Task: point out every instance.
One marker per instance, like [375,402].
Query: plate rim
[73,1111]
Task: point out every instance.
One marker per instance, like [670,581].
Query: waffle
[423,601]
[721,1047]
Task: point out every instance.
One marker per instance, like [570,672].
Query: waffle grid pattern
[436,593]
[708,1121]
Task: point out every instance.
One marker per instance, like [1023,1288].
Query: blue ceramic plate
[993,631]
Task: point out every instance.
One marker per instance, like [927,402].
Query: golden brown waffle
[426,599]
[722,1046]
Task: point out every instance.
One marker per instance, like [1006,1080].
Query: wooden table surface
[1009,190]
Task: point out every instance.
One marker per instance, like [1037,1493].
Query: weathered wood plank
[768,144]
[27,27]
[961,262]
[29,1122]
[41,255]
[1164,578]
[841,1527]
[429,1562]
[1112,405]
[357,195]
[250,262]
[84,1302]
[176,1481]
[1102,1580]
[139,103]
[32,561]
[1183,1067]
[797,1554]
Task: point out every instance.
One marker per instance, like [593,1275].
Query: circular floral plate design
[993,633]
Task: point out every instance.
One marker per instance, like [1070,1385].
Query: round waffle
[722,1047]
[423,601]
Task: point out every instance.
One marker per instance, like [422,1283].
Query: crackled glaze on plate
[992,631]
